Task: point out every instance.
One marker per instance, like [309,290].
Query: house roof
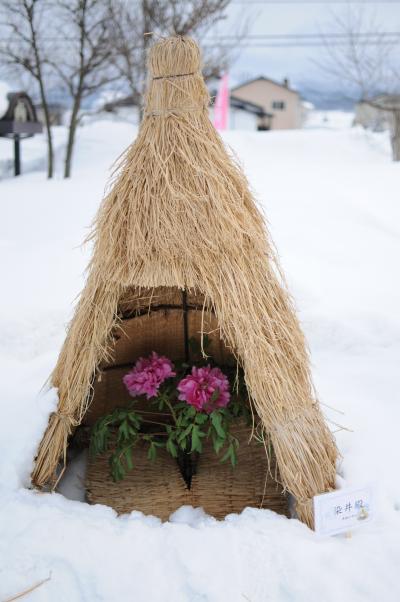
[249,107]
[237,103]
[266,79]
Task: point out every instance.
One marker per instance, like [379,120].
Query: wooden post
[185,325]
[17,155]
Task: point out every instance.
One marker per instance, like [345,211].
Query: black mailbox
[19,121]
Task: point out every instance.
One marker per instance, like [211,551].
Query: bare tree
[85,45]
[84,65]
[23,49]
[129,23]
[368,62]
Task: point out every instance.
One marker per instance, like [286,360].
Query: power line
[266,37]
[281,40]
[249,45]
[288,45]
[303,35]
[300,2]
[268,40]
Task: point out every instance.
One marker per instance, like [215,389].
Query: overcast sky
[296,17]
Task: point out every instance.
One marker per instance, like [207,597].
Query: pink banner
[221,107]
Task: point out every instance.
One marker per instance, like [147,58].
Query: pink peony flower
[198,388]
[148,374]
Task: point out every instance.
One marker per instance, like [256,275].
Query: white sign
[342,510]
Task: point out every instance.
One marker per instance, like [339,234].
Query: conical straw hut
[180,214]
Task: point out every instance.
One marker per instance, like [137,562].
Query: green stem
[169,404]
[123,450]
[154,422]
[155,413]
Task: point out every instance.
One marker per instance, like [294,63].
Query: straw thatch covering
[180,213]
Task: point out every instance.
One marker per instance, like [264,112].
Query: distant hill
[325,97]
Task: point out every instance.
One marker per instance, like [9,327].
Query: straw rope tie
[282,425]
[176,75]
[66,418]
[175,110]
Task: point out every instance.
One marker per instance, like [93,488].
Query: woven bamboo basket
[153,322]
[158,488]
[220,488]
[156,321]
[155,488]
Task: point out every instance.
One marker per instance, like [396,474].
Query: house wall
[242,120]
[265,93]
[238,120]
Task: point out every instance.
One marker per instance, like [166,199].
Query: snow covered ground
[332,198]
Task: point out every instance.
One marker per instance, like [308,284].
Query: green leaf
[225,456]
[196,441]
[201,418]
[171,448]
[117,470]
[123,432]
[134,419]
[233,456]
[230,454]
[152,453]
[218,444]
[100,437]
[128,458]
[191,412]
[216,421]
[182,436]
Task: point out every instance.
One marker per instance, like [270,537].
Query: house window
[278,105]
